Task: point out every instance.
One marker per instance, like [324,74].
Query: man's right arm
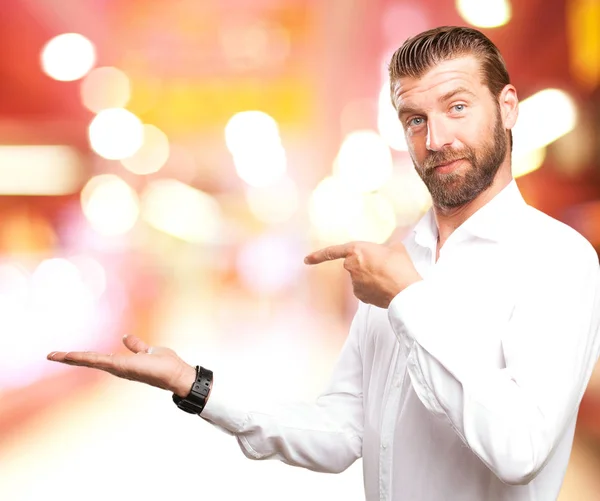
[323,436]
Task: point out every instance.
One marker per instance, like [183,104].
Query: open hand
[378,272]
[156,366]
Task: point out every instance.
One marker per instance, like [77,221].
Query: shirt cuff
[221,413]
[407,305]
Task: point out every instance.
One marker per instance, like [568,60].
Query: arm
[325,436]
[512,418]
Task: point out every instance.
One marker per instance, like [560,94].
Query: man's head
[453,95]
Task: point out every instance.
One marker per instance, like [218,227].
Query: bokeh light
[116,133]
[92,273]
[273,204]
[388,123]
[182,211]
[364,162]
[110,204]
[485,13]
[338,214]
[543,118]
[68,57]
[527,161]
[104,88]
[253,139]
[152,155]
[407,193]
[261,167]
[251,130]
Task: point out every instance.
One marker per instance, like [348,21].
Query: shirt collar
[490,222]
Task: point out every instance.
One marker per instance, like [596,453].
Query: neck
[447,220]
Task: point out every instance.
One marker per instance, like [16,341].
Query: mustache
[442,157]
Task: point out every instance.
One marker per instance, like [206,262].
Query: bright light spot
[253,139]
[54,275]
[331,206]
[528,161]
[485,13]
[338,214]
[262,167]
[251,130]
[68,57]
[152,155]
[92,273]
[181,211]
[109,204]
[269,264]
[364,162]
[274,204]
[543,118]
[39,170]
[388,123]
[105,88]
[116,134]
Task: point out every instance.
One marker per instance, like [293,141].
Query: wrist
[185,381]
[193,400]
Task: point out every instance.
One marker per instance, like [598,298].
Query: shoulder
[546,240]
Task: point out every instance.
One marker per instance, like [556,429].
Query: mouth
[448,167]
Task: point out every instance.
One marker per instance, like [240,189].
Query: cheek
[416,146]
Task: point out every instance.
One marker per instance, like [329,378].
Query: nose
[438,135]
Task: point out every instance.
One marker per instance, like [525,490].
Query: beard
[454,189]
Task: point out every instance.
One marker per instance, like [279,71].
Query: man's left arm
[513,417]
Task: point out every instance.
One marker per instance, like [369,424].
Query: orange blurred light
[153,153]
[104,88]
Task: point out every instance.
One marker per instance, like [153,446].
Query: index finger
[328,254]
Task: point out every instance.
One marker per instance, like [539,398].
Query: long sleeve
[512,415]
[323,436]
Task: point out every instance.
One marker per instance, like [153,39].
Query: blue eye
[416,121]
[459,107]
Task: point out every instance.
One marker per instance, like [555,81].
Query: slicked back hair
[422,52]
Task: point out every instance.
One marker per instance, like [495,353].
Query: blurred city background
[164,168]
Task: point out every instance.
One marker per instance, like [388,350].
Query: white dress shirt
[467,387]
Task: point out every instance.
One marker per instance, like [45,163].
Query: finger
[328,254]
[135,344]
[84,359]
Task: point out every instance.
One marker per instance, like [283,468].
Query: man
[474,339]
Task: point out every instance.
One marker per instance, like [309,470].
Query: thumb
[135,344]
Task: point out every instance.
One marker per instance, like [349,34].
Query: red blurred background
[164,167]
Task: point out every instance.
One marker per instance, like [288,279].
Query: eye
[416,121]
[459,107]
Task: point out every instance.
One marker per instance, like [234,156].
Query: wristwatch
[196,400]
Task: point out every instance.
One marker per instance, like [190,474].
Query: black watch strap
[196,400]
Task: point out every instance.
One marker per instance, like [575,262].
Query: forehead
[462,72]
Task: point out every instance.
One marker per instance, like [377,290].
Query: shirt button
[384,445]
[397,383]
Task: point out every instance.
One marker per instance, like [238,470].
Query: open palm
[156,366]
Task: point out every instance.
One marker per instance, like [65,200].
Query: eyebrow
[452,93]
[405,110]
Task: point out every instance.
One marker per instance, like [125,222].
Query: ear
[509,106]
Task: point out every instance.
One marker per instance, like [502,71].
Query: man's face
[454,131]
